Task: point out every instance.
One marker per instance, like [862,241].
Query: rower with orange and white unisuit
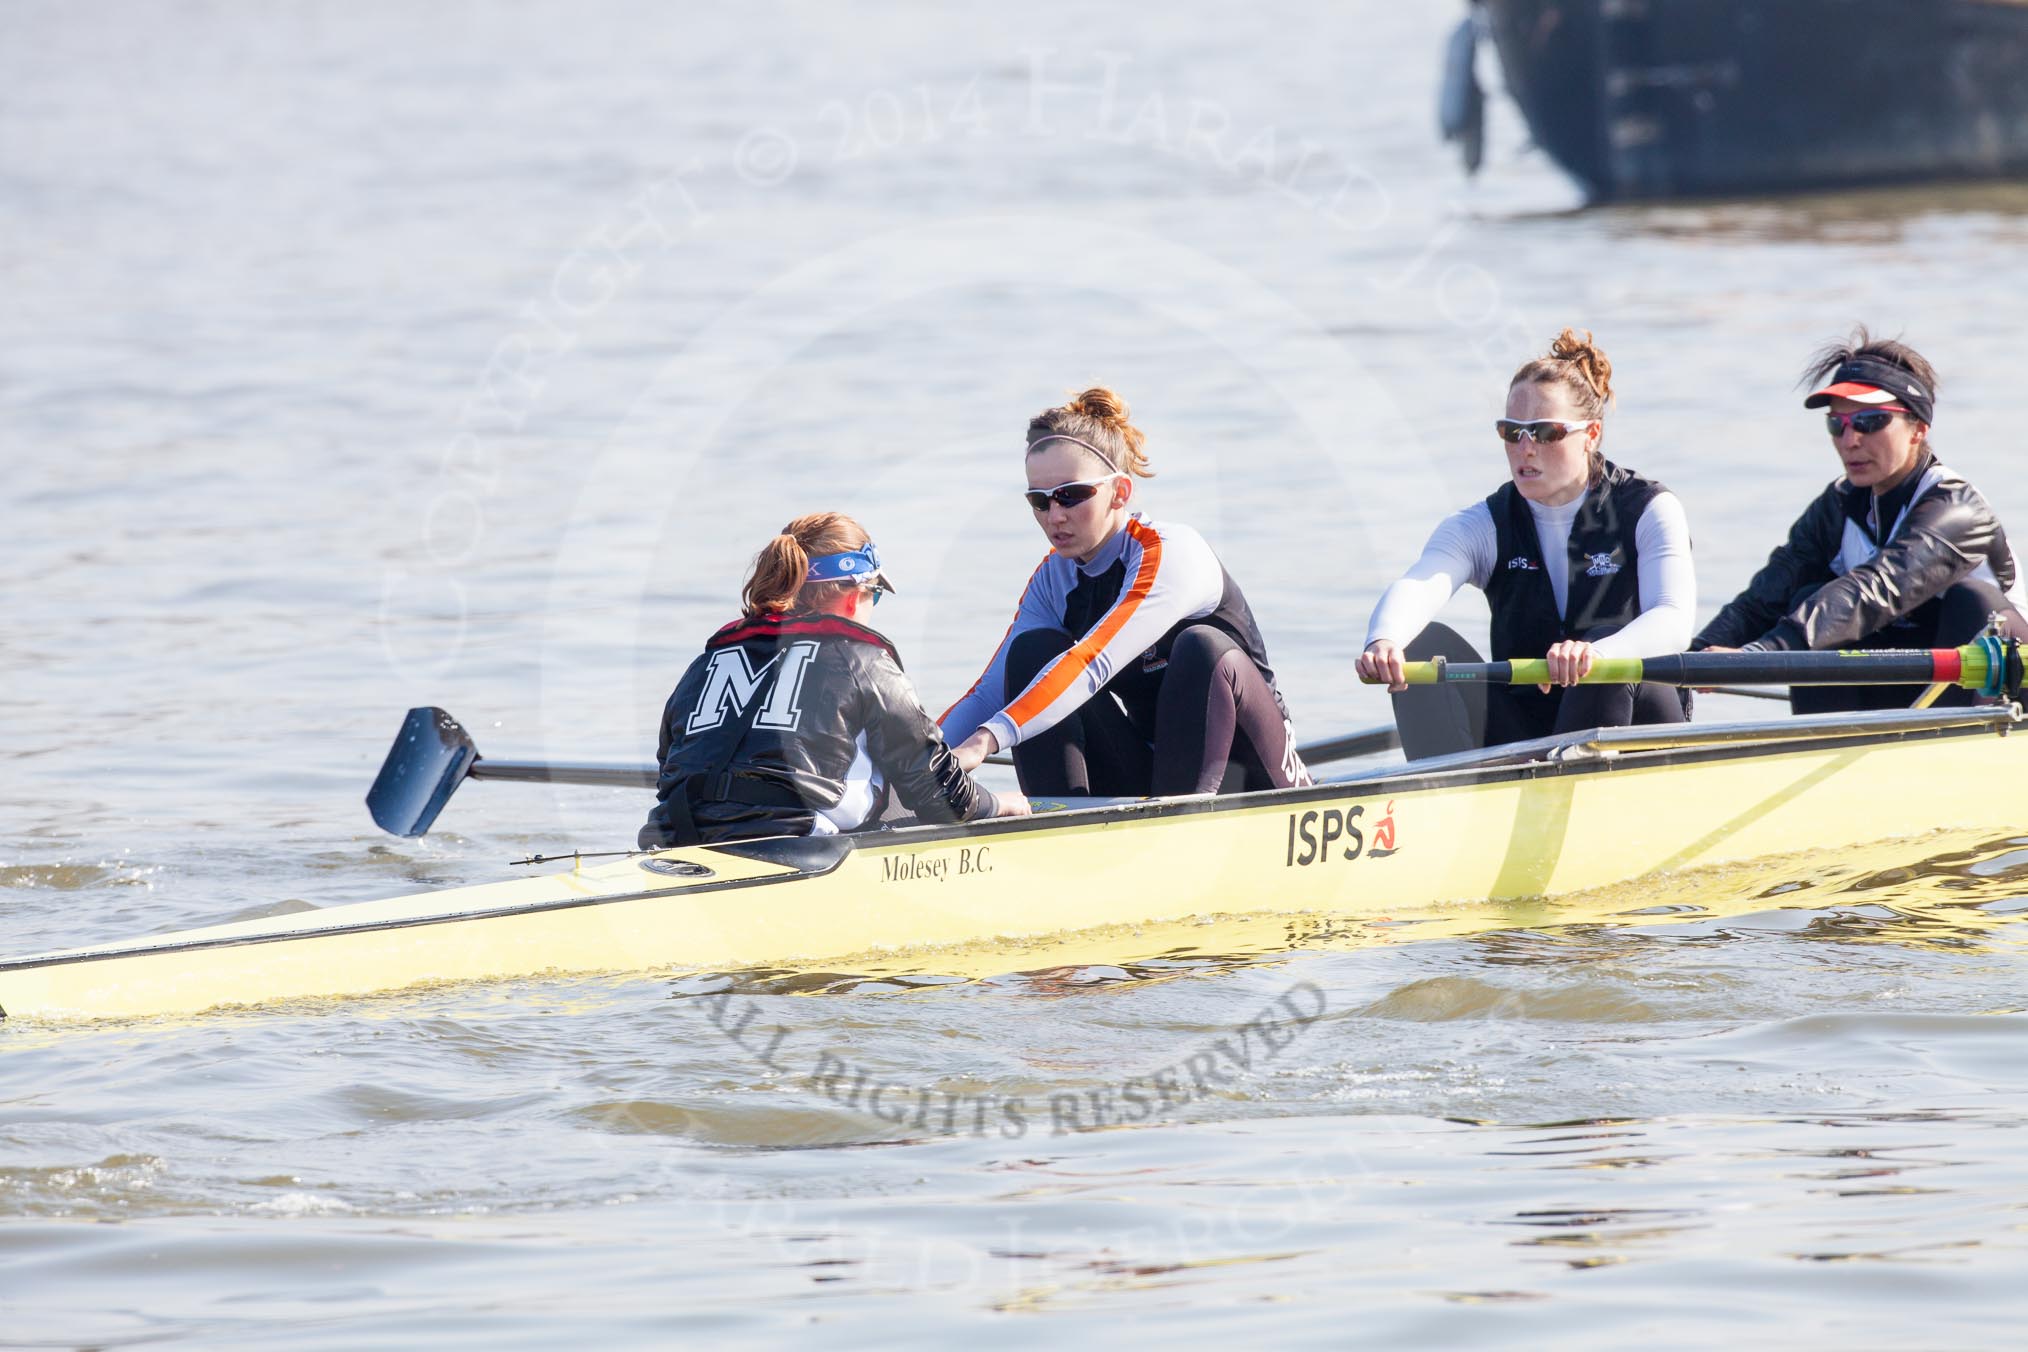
[1133,665]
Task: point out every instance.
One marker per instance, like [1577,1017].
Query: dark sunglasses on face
[1542,431]
[1065,495]
[1867,421]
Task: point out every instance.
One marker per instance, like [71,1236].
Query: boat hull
[1432,842]
[1669,98]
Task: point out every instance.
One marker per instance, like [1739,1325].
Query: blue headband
[860,564]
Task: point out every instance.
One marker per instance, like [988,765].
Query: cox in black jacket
[793,725]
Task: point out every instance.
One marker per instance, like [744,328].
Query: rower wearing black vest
[1898,552]
[1578,558]
[1133,665]
[796,719]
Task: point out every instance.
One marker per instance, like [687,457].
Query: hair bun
[1098,418]
[1101,403]
[1589,358]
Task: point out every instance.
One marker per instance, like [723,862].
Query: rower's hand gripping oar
[1991,666]
[433,754]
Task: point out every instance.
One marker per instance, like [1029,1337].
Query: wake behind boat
[1453,836]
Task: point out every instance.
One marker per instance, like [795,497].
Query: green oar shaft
[1971,667]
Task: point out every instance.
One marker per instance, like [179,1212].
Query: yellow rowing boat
[1458,838]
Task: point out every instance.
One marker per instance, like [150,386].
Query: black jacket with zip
[1934,529]
[782,717]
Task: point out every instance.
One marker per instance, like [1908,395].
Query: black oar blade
[429,759]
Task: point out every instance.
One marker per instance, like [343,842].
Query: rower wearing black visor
[1899,551]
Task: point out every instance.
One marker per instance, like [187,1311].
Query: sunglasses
[1867,421]
[1542,432]
[1066,495]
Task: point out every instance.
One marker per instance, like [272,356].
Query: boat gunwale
[1587,752]
[1492,766]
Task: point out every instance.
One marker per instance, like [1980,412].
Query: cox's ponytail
[775,583]
[777,576]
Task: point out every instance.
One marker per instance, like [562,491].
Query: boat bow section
[583,920]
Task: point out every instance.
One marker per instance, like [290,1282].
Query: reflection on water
[1988,214]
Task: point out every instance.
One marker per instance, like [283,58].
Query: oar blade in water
[430,757]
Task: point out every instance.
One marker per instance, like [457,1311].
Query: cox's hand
[1381,662]
[1011,805]
[972,752]
[1569,661]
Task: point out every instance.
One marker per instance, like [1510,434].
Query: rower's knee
[1206,650]
[1965,609]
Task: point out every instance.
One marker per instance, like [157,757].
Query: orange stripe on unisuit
[1078,660]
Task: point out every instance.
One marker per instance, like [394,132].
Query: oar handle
[1527,671]
[1989,665]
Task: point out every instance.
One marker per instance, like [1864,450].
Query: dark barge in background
[1668,98]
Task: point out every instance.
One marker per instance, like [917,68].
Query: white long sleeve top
[1464,549]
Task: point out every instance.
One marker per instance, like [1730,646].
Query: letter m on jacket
[731,684]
